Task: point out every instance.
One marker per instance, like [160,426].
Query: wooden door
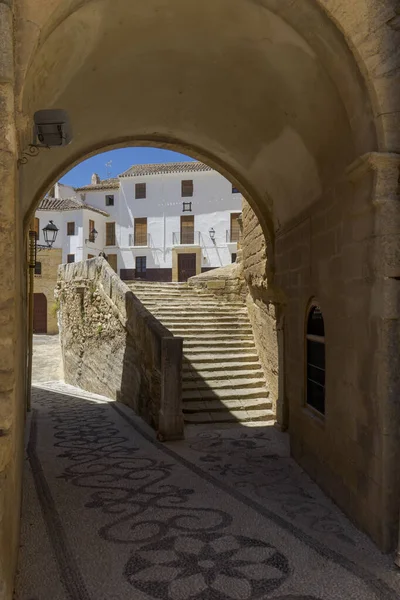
[187,230]
[39,313]
[112,261]
[186,266]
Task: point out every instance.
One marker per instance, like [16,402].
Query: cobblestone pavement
[111,513]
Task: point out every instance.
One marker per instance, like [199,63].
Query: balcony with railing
[186,238]
[139,239]
[232,236]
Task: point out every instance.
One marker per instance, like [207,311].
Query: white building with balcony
[160,222]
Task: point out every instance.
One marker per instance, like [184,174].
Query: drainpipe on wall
[31,265]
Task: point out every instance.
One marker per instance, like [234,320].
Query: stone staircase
[222,377]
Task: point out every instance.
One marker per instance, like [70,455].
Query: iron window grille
[315,353]
[187,207]
[110,200]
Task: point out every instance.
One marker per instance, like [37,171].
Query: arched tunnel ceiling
[281,106]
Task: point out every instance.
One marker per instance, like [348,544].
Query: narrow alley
[111,513]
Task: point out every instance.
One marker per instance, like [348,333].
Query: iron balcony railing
[140,239]
[186,238]
[232,235]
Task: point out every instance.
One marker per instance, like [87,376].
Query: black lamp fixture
[50,234]
[92,235]
[211,233]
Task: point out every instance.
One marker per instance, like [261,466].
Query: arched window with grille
[315,352]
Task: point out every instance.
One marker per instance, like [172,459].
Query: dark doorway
[186,266]
[39,313]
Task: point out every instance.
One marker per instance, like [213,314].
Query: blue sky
[121,160]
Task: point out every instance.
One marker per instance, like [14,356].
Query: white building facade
[160,222]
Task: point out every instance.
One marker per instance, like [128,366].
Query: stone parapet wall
[224,281]
[112,345]
[261,302]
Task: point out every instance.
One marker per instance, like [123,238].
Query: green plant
[99,329]
[55,307]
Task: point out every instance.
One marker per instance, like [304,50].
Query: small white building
[160,222]
[75,221]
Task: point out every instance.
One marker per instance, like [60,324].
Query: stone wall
[261,303]
[46,282]
[112,345]
[225,281]
[344,252]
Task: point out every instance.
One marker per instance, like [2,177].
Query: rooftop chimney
[95,179]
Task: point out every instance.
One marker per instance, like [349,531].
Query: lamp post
[211,233]
[50,235]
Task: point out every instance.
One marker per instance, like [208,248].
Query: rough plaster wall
[102,354]
[261,310]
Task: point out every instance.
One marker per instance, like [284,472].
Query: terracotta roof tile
[106,184]
[165,168]
[67,204]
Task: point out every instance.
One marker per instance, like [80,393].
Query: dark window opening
[234,257]
[140,266]
[187,207]
[110,200]
[187,188]
[70,258]
[38,268]
[316,360]
[71,228]
[140,191]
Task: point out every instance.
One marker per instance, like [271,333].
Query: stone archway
[298,103]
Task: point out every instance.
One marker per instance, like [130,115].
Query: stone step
[212,344]
[207,326]
[218,375]
[259,416]
[204,320]
[196,358]
[182,314]
[232,333]
[189,306]
[220,384]
[228,368]
[224,394]
[218,406]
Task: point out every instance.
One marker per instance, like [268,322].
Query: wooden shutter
[110,234]
[113,261]
[71,228]
[187,188]
[187,229]
[91,227]
[36,227]
[235,229]
[140,232]
[140,190]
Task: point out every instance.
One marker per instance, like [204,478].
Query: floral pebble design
[207,567]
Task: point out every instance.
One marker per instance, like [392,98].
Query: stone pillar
[385,329]
[13,362]
[171,425]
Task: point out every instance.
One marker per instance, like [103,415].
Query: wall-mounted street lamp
[211,233]
[92,236]
[50,234]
